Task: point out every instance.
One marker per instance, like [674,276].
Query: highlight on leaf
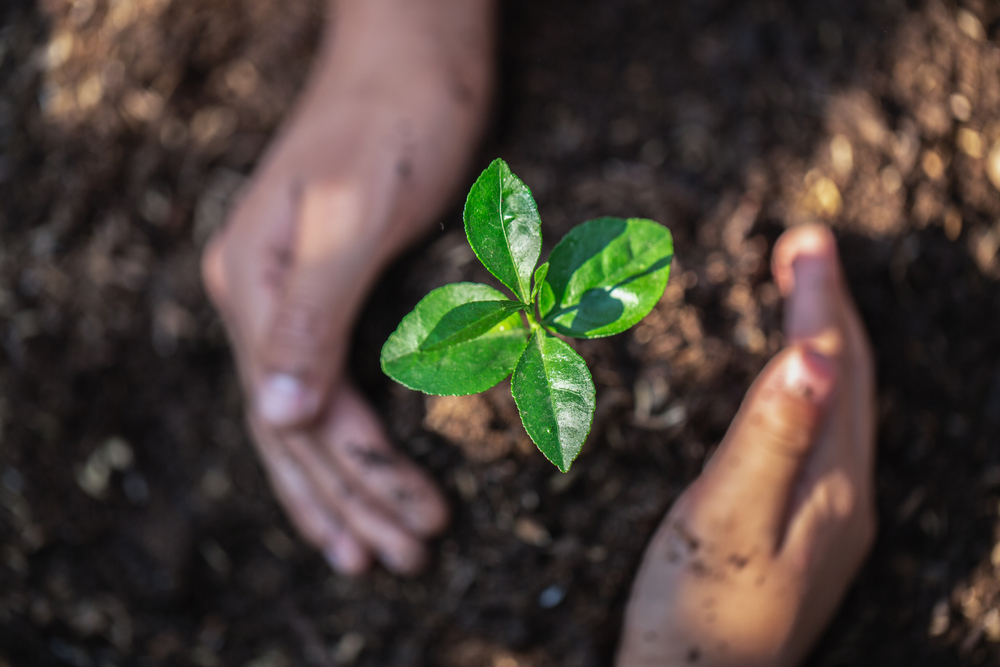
[605,276]
[555,397]
[503,227]
[460,339]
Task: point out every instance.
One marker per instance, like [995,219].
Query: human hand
[754,557]
[287,274]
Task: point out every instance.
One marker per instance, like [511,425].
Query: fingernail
[811,272]
[283,399]
[810,307]
[400,564]
[810,375]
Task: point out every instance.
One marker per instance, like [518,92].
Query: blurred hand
[754,557]
[371,155]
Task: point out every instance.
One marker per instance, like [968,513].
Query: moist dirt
[136,526]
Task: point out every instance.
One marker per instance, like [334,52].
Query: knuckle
[301,324]
[837,497]
[788,429]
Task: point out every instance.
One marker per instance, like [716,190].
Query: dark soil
[136,525]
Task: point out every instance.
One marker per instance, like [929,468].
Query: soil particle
[691,542]
[471,423]
[700,568]
[737,561]
[373,458]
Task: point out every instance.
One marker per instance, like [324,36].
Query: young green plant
[602,278]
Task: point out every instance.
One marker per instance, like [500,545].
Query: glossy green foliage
[555,396]
[605,276]
[503,227]
[602,278]
[461,339]
[469,320]
[540,274]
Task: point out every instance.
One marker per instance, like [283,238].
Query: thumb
[304,346]
[763,453]
[758,462]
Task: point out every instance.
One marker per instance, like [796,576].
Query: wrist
[397,45]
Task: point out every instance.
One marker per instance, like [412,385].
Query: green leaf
[460,339]
[540,274]
[555,396]
[468,321]
[605,276]
[503,227]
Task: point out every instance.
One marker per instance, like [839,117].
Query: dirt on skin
[135,522]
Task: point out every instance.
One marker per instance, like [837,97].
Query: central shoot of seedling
[601,279]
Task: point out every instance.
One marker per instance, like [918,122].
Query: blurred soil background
[136,527]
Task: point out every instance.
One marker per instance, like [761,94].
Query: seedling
[602,278]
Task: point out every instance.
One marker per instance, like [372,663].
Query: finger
[807,271]
[809,253]
[320,527]
[750,480]
[832,519]
[772,437]
[835,500]
[325,530]
[354,439]
[331,256]
[344,551]
[243,268]
[827,541]
[395,547]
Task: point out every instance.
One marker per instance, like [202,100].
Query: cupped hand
[287,274]
[375,149]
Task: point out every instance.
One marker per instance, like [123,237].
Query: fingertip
[407,561]
[401,553]
[807,270]
[428,518]
[358,443]
[807,240]
[347,556]
[438,516]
